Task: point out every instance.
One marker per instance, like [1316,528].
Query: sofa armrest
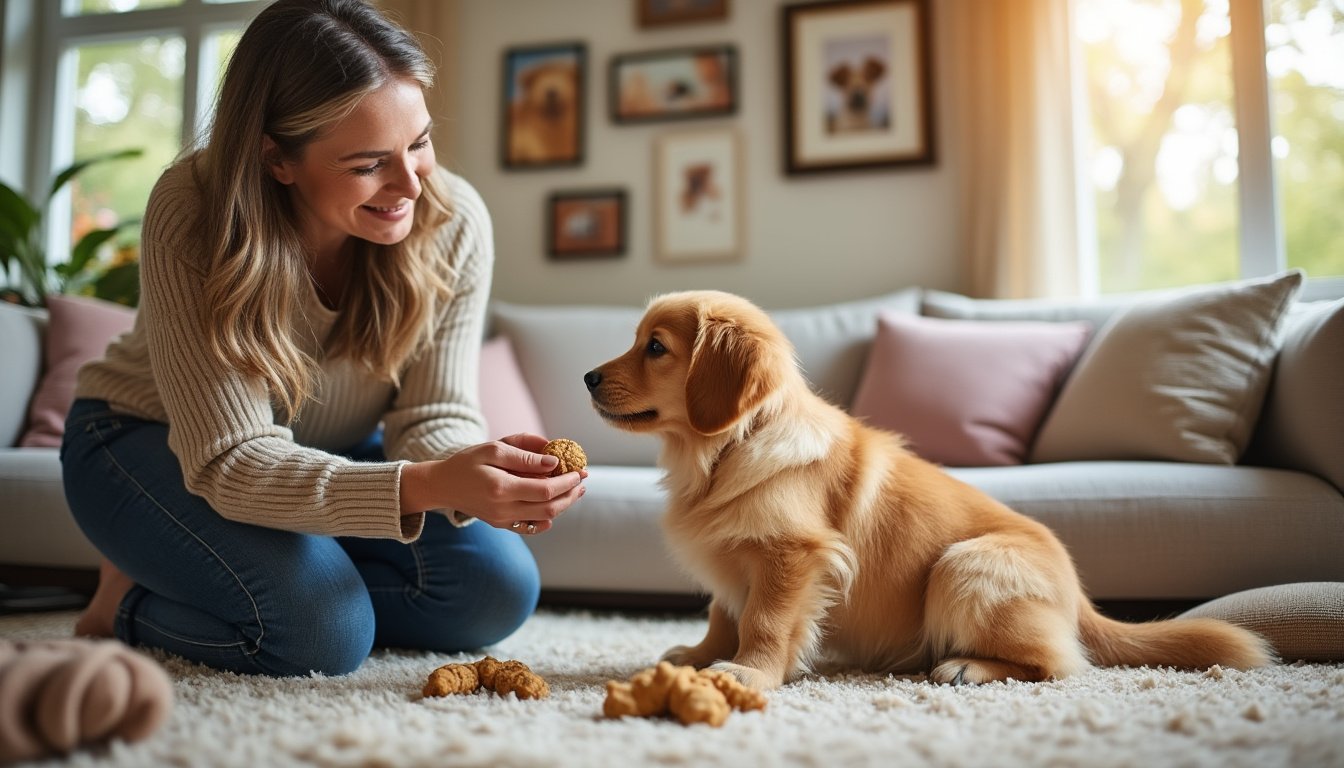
[21,332]
[1302,423]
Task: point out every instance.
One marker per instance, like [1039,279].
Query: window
[110,75]
[1216,145]
[1305,62]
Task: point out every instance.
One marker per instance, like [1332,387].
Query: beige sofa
[1139,530]
[1146,530]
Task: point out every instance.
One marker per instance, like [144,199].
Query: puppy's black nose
[592,379]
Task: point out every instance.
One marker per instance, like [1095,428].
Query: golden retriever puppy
[821,539]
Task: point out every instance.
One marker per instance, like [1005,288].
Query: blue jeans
[263,601]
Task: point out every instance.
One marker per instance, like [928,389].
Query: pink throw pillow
[966,393]
[79,330]
[506,402]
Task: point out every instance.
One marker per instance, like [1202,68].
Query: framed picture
[543,103]
[698,196]
[585,223]
[673,84]
[658,13]
[857,85]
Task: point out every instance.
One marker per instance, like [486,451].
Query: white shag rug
[1290,715]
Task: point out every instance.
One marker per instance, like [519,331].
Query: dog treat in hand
[570,454]
[502,677]
[691,696]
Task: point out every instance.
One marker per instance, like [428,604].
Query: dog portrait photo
[698,191]
[825,543]
[585,223]
[543,106]
[661,13]
[673,84]
[858,96]
[858,86]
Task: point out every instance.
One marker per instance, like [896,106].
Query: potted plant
[22,245]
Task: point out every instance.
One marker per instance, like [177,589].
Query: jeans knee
[518,588]
[510,584]
[329,633]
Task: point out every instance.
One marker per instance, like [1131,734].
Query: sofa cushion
[832,340]
[79,331]
[610,540]
[1142,530]
[556,346]
[38,527]
[1302,424]
[506,403]
[963,392]
[1097,311]
[1303,621]
[21,332]
[1180,378]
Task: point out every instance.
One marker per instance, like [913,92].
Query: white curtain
[1012,110]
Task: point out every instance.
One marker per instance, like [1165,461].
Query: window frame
[39,41]
[1260,238]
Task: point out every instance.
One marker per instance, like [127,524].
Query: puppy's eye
[656,348]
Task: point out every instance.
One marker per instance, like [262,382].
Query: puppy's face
[856,83]
[701,359]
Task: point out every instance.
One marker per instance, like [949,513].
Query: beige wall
[808,239]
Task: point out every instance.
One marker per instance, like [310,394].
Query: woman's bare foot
[96,621]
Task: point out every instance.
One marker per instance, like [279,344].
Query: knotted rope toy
[59,695]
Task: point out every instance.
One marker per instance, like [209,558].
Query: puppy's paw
[750,676]
[958,671]
[686,656]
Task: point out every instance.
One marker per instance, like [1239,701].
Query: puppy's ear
[839,75]
[730,374]
[873,68]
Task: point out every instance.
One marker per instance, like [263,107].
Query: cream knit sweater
[221,424]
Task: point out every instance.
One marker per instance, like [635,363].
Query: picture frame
[857,85]
[543,100]
[673,84]
[586,223]
[698,196]
[661,13]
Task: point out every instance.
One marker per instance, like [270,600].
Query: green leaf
[17,215]
[120,284]
[69,173]
[33,271]
[88,246]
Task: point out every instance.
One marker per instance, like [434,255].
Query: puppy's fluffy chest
[749,484]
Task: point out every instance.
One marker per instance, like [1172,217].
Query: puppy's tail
[1180,643]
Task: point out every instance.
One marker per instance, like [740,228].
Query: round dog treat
[570,454]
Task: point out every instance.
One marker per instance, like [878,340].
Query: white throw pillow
[1180,378]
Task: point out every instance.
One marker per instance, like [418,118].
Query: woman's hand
[503,482]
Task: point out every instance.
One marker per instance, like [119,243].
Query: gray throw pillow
[1178,378]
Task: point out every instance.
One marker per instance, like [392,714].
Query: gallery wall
[806,239]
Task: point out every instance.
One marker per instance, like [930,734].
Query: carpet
[1290,715]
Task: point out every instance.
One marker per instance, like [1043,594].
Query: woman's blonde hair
[299,68]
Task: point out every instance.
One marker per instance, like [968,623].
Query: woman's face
[362,177]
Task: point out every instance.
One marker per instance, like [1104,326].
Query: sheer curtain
[434,25]
[1011,103]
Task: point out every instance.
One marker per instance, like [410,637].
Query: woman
[308,274]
